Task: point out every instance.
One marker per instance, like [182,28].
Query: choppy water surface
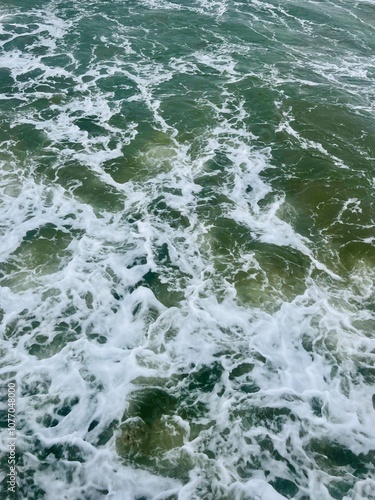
[187,248]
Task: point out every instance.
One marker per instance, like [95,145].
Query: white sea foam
[141,294]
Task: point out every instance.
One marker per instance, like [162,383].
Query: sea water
[187,248]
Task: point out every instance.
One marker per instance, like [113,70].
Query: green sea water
[187,248]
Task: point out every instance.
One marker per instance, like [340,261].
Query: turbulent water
[187,248]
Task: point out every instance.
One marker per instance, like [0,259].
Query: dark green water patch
[89,188]
[337,460]
[7,83]
[241,370]
[150,430]
[151,153]
[124,168]
[353,252]
[341,487]
[89,124]
[25,138]
[59,60]
[41,252]
[273,419]
[150,404]
[285,487]
[162,290]
[227,238]
[159,207]
[279,274]
[192,120]
[205,378]
[107,433]
[331,207]
[21,42]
